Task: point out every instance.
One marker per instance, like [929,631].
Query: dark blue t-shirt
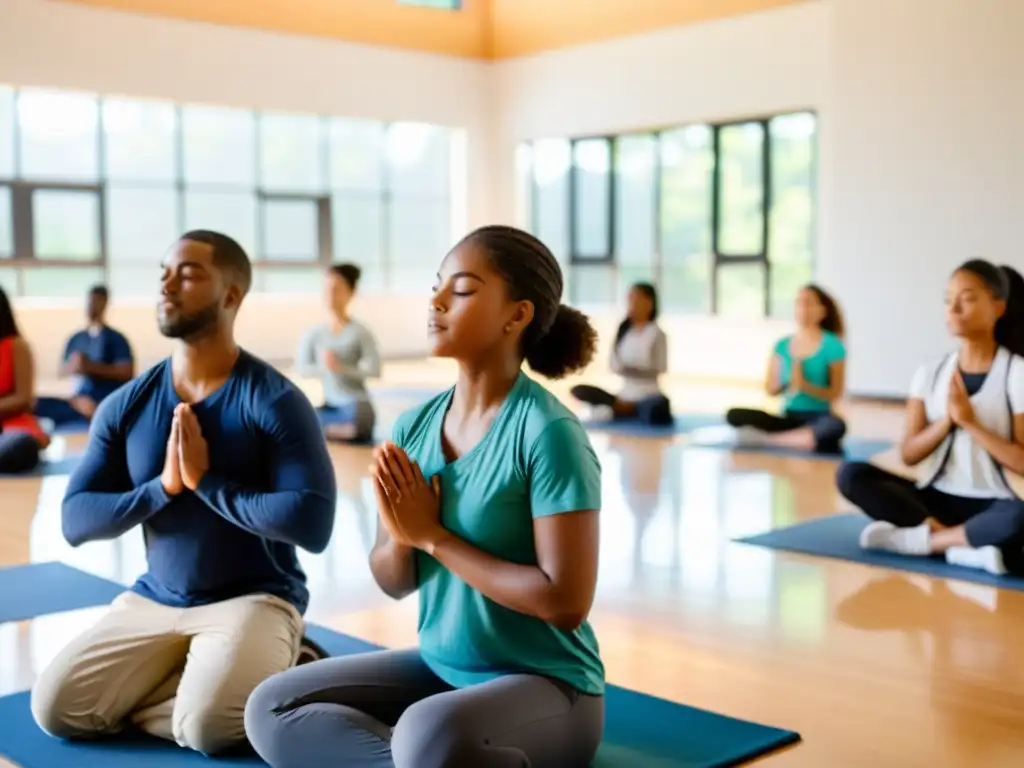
[107,346]
[270,487]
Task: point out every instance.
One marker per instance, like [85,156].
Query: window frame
[719,259]
[23,224]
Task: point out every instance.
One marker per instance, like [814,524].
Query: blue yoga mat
[854,449]
[837,536]
[640,730]
[684,423]
[27,591]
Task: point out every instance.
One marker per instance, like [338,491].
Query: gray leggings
[388,710]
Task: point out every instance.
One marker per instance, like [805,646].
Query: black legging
[19,452]
[655,410]
[884,496]
[828,428]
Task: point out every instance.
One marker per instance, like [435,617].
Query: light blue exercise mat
[838,537]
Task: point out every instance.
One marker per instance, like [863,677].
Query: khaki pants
[182,674]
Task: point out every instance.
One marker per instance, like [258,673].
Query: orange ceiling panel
[374,22]
[484,29]
[523,27]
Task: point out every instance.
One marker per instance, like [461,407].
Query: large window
[95,188]
[719,217]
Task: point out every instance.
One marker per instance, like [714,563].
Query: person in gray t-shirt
[343,354]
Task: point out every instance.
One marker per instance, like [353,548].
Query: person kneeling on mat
[221,460]
[965,424]
[489,500]
[22,438]
[343,354]
[808,369]
[639,356]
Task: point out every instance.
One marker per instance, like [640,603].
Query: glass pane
[357,229]
[290,280]
[444,5]
[634,273]
[141,140]
[741,291]
[232,213]
[636,199]
[9,281]
[552,159]
[220,146]
[6,223]
[357,154]
[134,280]
[141,223]
[6,132]
[419,233]
[593,285]
[60,282]
[66,225]
[418,159]
[791,226]
[592,162]
[741,194]
[687,168]
[58,135]
[290,230]
[291,157]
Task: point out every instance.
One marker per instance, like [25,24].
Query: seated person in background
[639,356]
[342,354]
[489,504]
[965,423]
[809,370]
[21,438]
[221,460]
[98,358]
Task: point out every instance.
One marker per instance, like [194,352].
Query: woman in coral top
[21,437]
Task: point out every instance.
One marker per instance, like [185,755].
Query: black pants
[19,452]
[828,428]
[884,496]
[655,410]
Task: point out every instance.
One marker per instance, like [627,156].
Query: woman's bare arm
[558,590]
[921,439]
[393,565]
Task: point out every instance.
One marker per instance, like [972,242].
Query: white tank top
[959,466]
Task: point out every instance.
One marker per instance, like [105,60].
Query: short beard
[191,326]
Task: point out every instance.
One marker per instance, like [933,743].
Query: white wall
[922,166]
[920,104]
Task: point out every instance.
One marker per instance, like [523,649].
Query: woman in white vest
[965,426]
[640,357]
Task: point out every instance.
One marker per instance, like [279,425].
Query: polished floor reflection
[873,667]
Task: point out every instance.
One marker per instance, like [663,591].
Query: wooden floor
[872,667]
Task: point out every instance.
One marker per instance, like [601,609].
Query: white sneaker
[981,558]
[750,437]
[598,413]
[903,541]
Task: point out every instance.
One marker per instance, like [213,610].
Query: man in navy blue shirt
[98,358]
[222,462]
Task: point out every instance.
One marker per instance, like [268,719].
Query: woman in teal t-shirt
[489,497]
[809,370]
